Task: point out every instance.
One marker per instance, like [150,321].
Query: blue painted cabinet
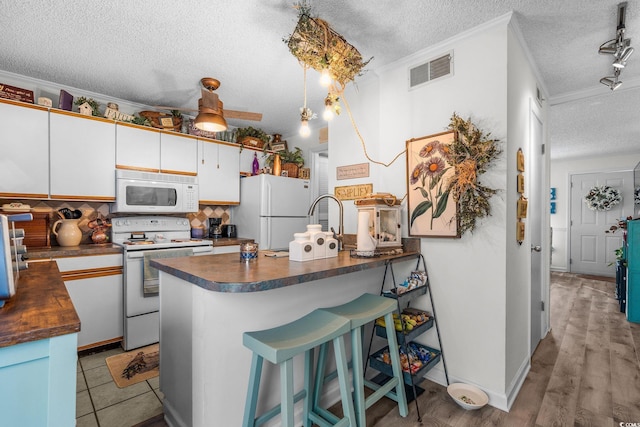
[38,382]
[633,271]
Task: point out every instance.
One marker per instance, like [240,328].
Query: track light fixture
[612,81]
[619,47]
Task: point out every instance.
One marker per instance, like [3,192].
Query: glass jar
[248,251]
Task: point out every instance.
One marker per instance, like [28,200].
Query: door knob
[536,248]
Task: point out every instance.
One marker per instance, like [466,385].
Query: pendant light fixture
[210,116]
[305,113]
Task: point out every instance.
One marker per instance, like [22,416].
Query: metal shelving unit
[406,335]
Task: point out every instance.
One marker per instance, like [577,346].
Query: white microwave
[148,192]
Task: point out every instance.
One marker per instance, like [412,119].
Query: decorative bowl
[467,396]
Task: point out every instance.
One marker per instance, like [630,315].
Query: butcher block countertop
[41,307]
[226,273]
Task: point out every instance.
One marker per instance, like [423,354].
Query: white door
[591,248]
[535,222]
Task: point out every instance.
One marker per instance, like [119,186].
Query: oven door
[142,320]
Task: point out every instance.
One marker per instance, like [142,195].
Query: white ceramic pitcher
[69,233]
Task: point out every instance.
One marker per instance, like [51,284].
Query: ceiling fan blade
[242,115]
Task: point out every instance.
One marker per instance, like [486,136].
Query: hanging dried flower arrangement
[602,198]
[318,46]
[472,152]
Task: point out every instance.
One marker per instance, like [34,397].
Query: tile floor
[100,403]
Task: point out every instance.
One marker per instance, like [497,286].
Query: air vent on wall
[430,70]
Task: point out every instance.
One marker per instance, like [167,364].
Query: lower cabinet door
[98,301]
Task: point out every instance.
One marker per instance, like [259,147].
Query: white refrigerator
[271,209]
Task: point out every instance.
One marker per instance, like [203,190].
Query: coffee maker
[214,227]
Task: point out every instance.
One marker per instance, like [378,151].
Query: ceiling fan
[211,114]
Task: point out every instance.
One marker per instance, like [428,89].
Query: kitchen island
[208,302]
[38,338]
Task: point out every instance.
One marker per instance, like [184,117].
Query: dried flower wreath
[472,153]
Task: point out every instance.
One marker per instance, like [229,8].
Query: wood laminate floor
[585,372]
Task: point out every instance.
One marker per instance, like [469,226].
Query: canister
[301,248]
[318,239]
[331,245]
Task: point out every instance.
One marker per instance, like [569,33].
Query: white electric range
[142,239]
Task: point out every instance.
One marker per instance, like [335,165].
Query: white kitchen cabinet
[24,143]
[82,157]
[152,150]
[178,153]
[137,148]
[218,173]
[96,289]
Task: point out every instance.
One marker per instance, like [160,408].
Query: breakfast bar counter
[208,302]
[225,273]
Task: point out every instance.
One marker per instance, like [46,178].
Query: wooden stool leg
[358,376]
[319,377]
[308,384]
[394,352]
[252,392]
[343,378]
[286,392]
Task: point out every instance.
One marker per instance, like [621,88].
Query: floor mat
[135,366]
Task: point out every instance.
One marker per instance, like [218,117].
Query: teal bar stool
[279,345]
[360,311]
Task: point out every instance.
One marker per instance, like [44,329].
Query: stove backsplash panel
[93,210]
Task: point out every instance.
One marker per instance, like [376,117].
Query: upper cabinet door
[24,144]
[218,173]
[137,148]
[178,154]
[82,157]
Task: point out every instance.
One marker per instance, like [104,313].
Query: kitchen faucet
[340,234]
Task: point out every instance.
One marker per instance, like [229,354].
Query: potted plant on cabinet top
[292,161]
[252,137]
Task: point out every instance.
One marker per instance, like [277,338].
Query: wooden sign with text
[353,192]
[360,170]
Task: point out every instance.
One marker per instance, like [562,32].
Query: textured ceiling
[155,52]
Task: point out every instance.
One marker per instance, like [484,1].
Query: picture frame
[280,146]
[522,208]
[520,160]
[520,232]
[432,210]
[520,183]
[166,121]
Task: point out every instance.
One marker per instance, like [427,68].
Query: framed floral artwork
[431,207]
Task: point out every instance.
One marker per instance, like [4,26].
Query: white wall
[469,276]
[522,85]
[559,179]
